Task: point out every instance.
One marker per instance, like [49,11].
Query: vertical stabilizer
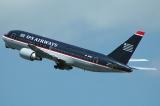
[124,52]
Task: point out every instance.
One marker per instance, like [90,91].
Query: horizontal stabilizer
[138,60]
[145,68]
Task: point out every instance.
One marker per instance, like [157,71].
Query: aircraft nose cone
[3,37]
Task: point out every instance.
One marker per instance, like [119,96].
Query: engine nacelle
[29,54]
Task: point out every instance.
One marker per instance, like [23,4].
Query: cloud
[97,14]
[75,20]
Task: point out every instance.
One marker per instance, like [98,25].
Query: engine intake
[29,54]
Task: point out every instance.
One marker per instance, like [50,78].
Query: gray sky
[99,25]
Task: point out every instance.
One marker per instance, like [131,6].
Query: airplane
[35,47]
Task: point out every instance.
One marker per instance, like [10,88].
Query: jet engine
[29,54]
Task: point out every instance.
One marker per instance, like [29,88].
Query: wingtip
[140,33]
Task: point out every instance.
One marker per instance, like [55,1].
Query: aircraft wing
[42,53]
[61,64]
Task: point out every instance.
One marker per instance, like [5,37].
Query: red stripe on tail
[140,33]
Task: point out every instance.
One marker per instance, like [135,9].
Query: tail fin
[124,52]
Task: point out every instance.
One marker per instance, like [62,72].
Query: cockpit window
[22,35]
[13,35]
